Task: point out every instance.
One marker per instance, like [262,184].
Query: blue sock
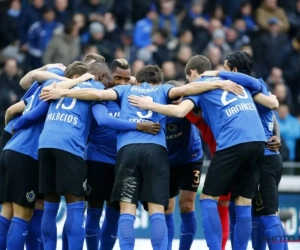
[232,217]
[48,228]
[92,228]
[187,230]
[17,234]
[159,231]
[273,230]
[211,224]
[74,225]
[126,231]
[109,230]
[4,226]
[64,239]
[283,233]
[258,235]
[243,227]
[171,230]
[34,238]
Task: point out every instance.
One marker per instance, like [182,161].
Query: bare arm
[13,110]
[28,79]
[41,76]
[81,94]
[268,101]
[196,88]
[274,142]
[169,110]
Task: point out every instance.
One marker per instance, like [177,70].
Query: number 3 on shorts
[149,113]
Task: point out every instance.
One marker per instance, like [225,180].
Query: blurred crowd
[163,32]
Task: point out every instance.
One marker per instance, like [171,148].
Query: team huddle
[97,135]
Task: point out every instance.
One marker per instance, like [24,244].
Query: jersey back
[102,143]
[67,123]
[183,141]
[28,93]
[130,113]
[232,119]
[266,116]
[25,141]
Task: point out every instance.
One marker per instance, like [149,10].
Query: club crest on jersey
[30,196]
[171,127]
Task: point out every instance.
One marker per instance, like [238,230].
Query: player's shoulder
[210,78]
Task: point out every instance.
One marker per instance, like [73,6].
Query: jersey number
[30,104]
[63,106]
[226,102]
[149,113]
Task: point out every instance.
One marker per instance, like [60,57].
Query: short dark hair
[93,56]
[94,67]
[199,63]
[150,74]
[76,68]
[69,26]
[119,63]
[240,60]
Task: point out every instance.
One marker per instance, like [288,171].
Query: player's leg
[34,237]
[6,211]
[174,189]
[268,188]
[155,191]
[232,217]
[21,189]
[248,176]
[218,181]
[126,192]
[170,221]
[223,204]
[95,205]
[190,179]
[47,186]
[71,181]
[109,229]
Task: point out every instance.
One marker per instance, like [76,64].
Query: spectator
[270,44]
[9,25]
[167,19]
[214,54]
[288,61]
[160,52]
[112,31]
[268,10]
[169,71]
[64,48]
[294,19]
[136,66]
[274,78]
[93,10]
[39,35]
[9,81]
[130,50]
[281,92]
[97,32]
[183,55]
[186,39]
[218,13]
[143,29]
[63,15]
[30,14]
[80,23]
[88,49]
[245,13]
[220,42]
[289,129]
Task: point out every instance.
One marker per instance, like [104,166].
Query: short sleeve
[120,90]
[27,100]
[194,98]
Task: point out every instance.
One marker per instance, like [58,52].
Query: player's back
[266,116]
[102,143]
[130,113]
[25,141]
[183,141]
[67,122]
[232,119]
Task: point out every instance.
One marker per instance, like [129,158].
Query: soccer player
[239,151]
[101,152]
[150,156]
[19,161]
[266,223]
[92,57]
[185,158]
[69,119]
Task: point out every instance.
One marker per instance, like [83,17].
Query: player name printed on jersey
[62,117]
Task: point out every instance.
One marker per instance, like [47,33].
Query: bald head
[101,72]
